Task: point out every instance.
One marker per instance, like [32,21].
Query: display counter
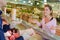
[40,31]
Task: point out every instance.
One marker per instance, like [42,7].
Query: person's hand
[12,37]
[16,35]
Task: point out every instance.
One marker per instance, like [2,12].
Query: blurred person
[15,32]
[8,34]
[2,4]
[6,25]
[2,37]
[48,22]
[15,35]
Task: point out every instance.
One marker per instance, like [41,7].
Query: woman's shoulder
[54,19]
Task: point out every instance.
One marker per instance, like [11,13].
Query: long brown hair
[50,8]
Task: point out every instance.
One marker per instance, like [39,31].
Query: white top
[47,26]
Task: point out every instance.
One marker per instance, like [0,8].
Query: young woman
[48,22]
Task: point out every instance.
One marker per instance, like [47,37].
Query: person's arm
[37,22]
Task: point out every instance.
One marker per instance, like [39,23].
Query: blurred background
[28,10]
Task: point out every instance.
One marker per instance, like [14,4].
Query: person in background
[6,26]
[8,34]
[2,5]
[15,35]
[2,37]
[48,22]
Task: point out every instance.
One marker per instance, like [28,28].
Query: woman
[48,22]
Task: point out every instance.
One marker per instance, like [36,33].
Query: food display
[25,17]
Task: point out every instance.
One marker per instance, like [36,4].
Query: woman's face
[47,11]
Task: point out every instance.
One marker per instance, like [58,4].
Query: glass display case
[26,10]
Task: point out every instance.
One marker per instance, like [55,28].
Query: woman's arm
[37,22]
